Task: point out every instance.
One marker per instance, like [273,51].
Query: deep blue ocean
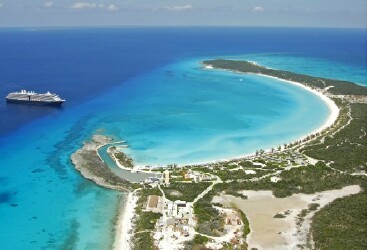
[146,86]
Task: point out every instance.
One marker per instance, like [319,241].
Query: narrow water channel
[125,174]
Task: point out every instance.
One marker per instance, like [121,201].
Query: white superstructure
[33,97]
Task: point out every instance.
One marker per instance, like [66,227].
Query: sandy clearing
[274,233]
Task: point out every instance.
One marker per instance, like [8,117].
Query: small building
[232,220]
[250,171]
[206,177]
[275,179]
[153,201]
[154,204]
[152,180]
[180,203]
[166,177]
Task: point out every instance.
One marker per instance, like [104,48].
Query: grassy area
[339,87]
[342,224]
[185,191]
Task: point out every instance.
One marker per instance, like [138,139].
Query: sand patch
[268,232]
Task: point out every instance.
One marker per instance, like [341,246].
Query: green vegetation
[347,149]
[246,223]
[200,240]
[202,169]
[310,179]
[306,179]
[143,241]
[143,196]
[122,158]
[305,212]
[342,224]
[197,243]
[339,87]
[247,164]
[226,175]
[341,150]
[279,216]
[147,221]
[210,222]
[184,191]
[144,221]
[90,161]
[236,194]
[282,215]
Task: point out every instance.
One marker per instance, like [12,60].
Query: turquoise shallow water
[45,203]
[178,113]
[145,86]
[184,114]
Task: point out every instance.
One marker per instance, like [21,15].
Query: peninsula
[87,161]
[334,87]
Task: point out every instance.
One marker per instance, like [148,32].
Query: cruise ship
[30,97]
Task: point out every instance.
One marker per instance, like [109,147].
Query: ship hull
[50,103]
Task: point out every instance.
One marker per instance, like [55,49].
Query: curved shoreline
[331,119]
[334,110]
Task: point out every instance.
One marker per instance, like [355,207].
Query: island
[306,194]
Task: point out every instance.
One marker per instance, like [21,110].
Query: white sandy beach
[123,234]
